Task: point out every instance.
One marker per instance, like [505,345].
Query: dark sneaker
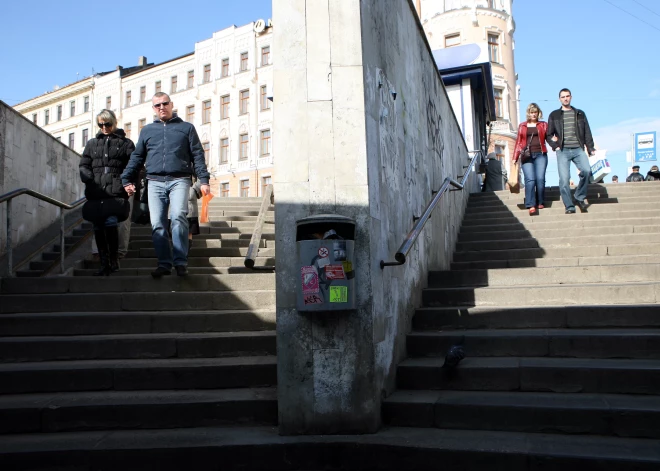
[160,271]
[570,211]
[583,205]
[181,270]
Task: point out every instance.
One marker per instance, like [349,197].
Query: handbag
[527,151]
[141,212]
[98,211]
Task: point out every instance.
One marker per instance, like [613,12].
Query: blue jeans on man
[169,195]
[579,158]
[534,171]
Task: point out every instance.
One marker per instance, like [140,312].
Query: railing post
[9,250]
[62,241]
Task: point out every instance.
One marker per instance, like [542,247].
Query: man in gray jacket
[173,153]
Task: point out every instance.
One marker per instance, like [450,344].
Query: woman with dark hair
[653,174]
[101,166]
[531,151]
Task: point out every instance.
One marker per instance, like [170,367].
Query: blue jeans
[581,161]
[173,196]
[110,221]
[534,171]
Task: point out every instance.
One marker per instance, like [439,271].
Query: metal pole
[9,251]
[62,241]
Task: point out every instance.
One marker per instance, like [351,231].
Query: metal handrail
[8,197]
[412,236]
[253,248]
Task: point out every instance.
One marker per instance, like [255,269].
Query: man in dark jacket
[568,134]
[173,152]
[635,176]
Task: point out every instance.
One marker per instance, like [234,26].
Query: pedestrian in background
[653,175]
[531,151]
[635,176]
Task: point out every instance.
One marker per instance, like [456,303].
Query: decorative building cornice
[55,96]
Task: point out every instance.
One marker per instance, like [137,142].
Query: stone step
[146,271]
[558,316]
[558,208]
[193,262]
[539,224]
[262,448]
[595,414]
[545,233]
[133,375]
[545,295]
[138,322]
[554,200]
[549,252]
[555,262]
[567,375]
[238,212]
[136,346]
[592,190]
[506,217]
[215,236]
[219,252]
[568,241]
[112,410]
[138,301]
[127,284]
[207,243]
[565,343]
[545,275]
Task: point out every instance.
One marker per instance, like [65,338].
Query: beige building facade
[224,88]
[485,29]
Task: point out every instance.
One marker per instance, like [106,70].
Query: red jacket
[521,140]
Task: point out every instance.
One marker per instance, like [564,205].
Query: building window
[72,108]
[245,188]
[85,137]
[207,151]
[224,190]
[108,102]
[244,61]
[158,87]
[143,93]
[224,107]
[499,103]
[190,113]
[491,4]
[265,142]
[127,130]
[141,123]
[244,102]
[499,153]
[263,98]
[128,98]
[85,104]
[59,112]
[224,150]
[191,79]
[494,47]
[173,84]
[46,116]
[242,146]
[225,67]
[452,40]
[72,140]
[206,112]
[265,56]
[34,118]
[265,181]
[207,73]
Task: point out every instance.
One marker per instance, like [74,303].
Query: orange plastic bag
[204,217]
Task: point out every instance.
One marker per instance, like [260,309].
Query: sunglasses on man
[158,105]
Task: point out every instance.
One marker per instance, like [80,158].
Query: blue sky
[608,58]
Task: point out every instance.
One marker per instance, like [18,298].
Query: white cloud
[618,137]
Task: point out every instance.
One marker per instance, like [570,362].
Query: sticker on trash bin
[339,249]
[322,262]
[312,299]
[310,280]
[339,294]
[324,252]
[334,272]
[348,266]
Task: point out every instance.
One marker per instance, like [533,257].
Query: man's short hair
[564,90]
[635,167]
[615,177]
[160,94]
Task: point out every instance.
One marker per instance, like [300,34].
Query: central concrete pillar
[361,127]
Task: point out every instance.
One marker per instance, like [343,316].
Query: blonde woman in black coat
[101,166]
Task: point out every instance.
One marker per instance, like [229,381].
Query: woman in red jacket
[531,151]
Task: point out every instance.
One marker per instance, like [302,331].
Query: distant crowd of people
[652,175]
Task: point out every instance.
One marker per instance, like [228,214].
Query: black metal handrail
[255,241]
[8,197]
[411,238]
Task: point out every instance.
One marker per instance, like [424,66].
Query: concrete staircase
[127,352]
[559,316]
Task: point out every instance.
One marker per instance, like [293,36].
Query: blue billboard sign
[645,146]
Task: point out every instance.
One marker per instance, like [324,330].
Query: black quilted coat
[102,164]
